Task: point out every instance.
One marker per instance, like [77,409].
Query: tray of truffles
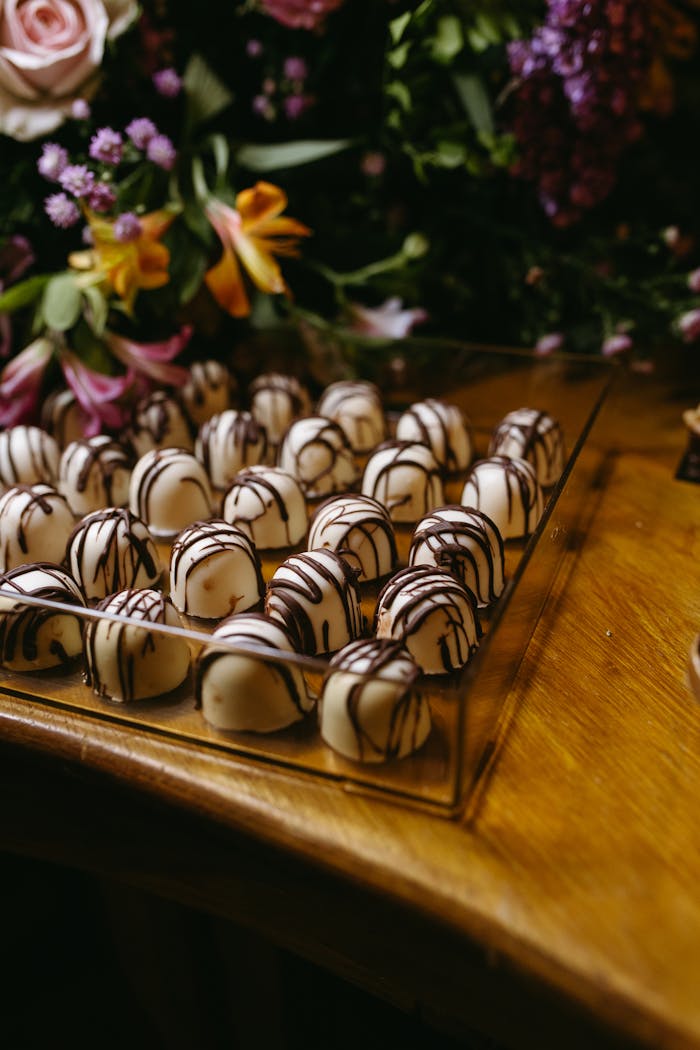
[336,579]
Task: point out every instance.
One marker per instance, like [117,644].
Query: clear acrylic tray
[467,707]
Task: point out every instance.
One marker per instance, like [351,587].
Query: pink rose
[50,55]
[300,14]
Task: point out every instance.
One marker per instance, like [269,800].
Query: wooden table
[567,912]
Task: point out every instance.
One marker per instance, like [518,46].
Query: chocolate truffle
[357,406]
[36,637]
[377,718]
[358,528]
[276,400]
[214,571]
[158,421]
[35,523]
[111,550]
[27,455]
[317,596]
[228,442]
[169,489]
[62,417]
[208,390]
[442,427]
[268,505]
[247,691]
[94,473]
[534,436]
[406,478]
[433,614]
[508,491]
[133,661]
[316,451]
[467,543]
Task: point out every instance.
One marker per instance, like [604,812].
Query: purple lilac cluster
[96,191]
[575,108]
[286,93]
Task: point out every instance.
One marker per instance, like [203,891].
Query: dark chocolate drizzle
[430,415]
[20,624]
[41,452]
[161,460]
[431,476]
[293,601]
[229,441]
[100,454]
[29,498]
[353,514]
[126,551]
[249,637]
[424,583]
[371,656]
[214,536]
[537,432]
[527,486]
[262,486]
[454,545]
[333,403]
[330,436]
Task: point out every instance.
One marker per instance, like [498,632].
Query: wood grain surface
[567,904]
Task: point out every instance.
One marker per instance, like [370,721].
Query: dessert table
[561,909]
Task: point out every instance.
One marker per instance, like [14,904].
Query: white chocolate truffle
[228,442]
[406,478]
[433,614]
[316,451]
[209,390]
[535,436]
[132,661]
[158,421]
[244,691]
[442,427]
[62,417]
[357,406]
[268,505]
[169,489]
[27,455]
[94,473]
[111,550]
[317,596]
[214,571]
[358,528]
[467,543]
[508,491]
[35,523]
[32,637]
[276,400]
[378,718]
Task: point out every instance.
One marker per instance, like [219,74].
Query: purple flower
[16,256]
[549,343]
[161,151]
[127,227]
[53,161]
[106,146]
[77,179]
[253,49]
[262,107]
[295,105]
[80,110]
[141,130]
[63,212]
[167,83]
[619,343]
[295,68]
[689,325]
[373,163]
[101,197]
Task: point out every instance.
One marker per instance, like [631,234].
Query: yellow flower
[252,232]
[127,265]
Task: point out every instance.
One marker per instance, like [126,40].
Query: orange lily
[252,232]
[130,266]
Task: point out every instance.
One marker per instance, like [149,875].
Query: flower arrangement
[350,170]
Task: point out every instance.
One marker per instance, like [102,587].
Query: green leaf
[449,39]
[62,303]
[398,25]
[450,154]
[397,57]
[288,154]
[476,102]
[398,90]
[23,294]
[207,95]
[98,308]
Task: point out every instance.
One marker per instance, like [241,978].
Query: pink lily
[20,382]
[152,360]
[96,393]
[388,321]
[15,257]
